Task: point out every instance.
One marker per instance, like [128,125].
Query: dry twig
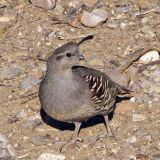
[22,96]
[148,11]
[135,56]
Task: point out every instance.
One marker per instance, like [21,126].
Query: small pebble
[131,140]
[7,151]
[94,18]
[5,19]
[10,72]
[123,25]
[51,156]
[38,140]
[29,82]
[138,117]
[46,4]
[3,138]
[22,114]
[133,99]
[33,121]
[39,29]
[121,10]
[144,20]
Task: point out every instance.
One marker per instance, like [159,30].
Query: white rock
[4,138]
[7,151]
[51,156]
[149,57]
[132,139]
[5,19]
[39,29]
[94,18]
[133,99]
[138,117]
[123,25]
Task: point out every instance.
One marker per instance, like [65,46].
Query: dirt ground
[28,35]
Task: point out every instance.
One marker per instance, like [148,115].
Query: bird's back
[103,90]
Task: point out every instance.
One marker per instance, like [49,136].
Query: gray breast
[61,95]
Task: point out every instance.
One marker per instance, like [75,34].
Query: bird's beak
[81,57]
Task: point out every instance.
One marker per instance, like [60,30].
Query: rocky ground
[29,34]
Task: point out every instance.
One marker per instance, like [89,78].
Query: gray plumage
[73,93]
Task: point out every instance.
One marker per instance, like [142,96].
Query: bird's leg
[74,137]
[108,128]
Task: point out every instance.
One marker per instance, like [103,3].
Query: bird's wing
[102,89]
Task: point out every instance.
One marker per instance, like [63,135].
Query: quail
[74,93]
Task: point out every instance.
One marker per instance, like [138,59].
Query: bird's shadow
[70,126]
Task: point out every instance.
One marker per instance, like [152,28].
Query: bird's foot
[111,134]
[107,135]
[72,142]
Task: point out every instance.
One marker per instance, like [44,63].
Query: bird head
[66,56]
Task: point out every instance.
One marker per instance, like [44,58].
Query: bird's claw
[69,143]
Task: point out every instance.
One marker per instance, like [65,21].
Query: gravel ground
[28,35]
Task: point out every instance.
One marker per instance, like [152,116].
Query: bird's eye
[68,54]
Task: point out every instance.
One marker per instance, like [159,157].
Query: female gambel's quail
[73,93]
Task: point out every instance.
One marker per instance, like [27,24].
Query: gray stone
[33,121]
[51,156]
[3,138]
[29,82]
[10,72]
[7,151]
[94,18]
[38,140]
[121,10]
